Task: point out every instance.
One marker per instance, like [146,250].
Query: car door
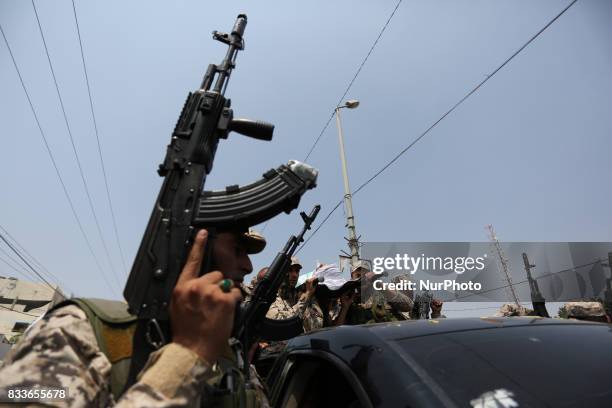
[312,379]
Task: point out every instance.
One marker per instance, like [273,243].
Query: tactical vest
[114,330]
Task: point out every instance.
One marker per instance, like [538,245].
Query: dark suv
[486,362]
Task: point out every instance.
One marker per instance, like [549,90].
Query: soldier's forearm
[398,300]
[173,376]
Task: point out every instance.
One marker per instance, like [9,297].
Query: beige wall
[23,301]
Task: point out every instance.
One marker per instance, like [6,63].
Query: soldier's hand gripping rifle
[182,207]
[251,322]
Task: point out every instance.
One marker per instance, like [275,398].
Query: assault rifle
[251,322]
[537,300]
[182,207]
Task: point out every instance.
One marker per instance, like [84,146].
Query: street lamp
[353,241]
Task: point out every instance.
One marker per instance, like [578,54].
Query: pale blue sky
[529,152]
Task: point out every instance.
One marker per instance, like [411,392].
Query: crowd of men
[85,346]
[328,299]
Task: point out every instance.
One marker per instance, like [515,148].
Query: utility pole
[608,290]
[353,240]
[504,265]
[537,300]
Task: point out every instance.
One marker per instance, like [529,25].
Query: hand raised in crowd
[311,287]
[436,307]
[202,314]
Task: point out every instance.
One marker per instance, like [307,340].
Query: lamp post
[353,241]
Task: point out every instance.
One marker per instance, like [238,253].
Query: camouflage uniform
[381,306]
[283,309]
[313,317]
[400,303]
[593,311]
[511,309]
[61,351]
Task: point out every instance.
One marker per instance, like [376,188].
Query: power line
[464,98]
[415,141]
[93,116]
[525,281]
[23,272]
[41,267]
[18,311]
[354,78]
[74,150]
[59,176]
[25,261]
[319,227]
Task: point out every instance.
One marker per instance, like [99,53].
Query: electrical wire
[523,281]
[40,266]
[319,227]
[74,150]
[25,261]
[23,272]
[18,311]
[386,166]
[93,116]
[354,78]
[57,172]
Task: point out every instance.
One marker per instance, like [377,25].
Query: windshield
[556,365]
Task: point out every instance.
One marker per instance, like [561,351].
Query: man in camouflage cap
[61,351]
[288,302]
[332,298]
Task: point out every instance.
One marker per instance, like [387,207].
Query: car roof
[416,328]
[384,355]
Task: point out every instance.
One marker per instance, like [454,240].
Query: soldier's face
[230,256]
[294,274]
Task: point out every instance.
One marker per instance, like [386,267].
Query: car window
[555,365]
[313,383]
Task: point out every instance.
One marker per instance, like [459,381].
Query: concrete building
[21,303]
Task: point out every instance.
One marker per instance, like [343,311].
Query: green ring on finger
[226,285]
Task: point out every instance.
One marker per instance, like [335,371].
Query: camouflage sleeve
[312,318]
[398,300]
[275,309]
[280,309]
[61,351]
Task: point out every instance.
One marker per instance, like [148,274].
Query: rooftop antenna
[503,265]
